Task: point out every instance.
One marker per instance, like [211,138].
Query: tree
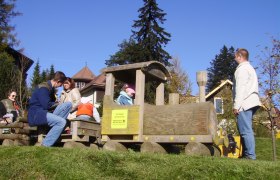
[36,77]
[130,52]
[9,75]
[22,89]
[7,38]
[222,68]
[269,69]
[150,36]
[145,44]
[270,84]
[44,75]
[180,82]
[51,72]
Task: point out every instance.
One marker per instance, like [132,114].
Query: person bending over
[41,101]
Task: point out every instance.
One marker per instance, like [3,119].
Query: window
[80,85]
[218,103]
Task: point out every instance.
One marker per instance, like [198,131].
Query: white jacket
[72,96]
[245,87]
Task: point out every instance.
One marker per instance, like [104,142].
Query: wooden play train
[151,128]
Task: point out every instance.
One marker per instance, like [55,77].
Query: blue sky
[70,33]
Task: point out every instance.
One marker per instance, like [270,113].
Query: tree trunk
[272,136]
[273,144]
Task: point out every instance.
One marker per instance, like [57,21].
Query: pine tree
[9,75]
[146,43]
[222,68]
[150,36]
[44,76]
[51,72]
[7,38]
[36,77]
[130,52]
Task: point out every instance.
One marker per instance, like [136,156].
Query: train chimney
[201,78]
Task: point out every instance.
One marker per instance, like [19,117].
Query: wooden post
[160,94]
[139,99]
[173,98]
[109,88]
[201,78]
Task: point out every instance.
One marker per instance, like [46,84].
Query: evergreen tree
[150,36]
[130,52]
[9,75]
[222,68]
[146,43]
[36,77]
[7,38]
[51,72]
[44,76]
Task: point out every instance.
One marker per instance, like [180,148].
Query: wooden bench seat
[81,131]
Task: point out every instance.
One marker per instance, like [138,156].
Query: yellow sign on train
[119,119]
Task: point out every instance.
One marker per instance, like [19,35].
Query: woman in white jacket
[70,94]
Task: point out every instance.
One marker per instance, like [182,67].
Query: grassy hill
[59,163]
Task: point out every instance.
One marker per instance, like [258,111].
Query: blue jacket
[124,99]
[39,103]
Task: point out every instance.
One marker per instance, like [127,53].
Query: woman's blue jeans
[244,123]
[57,122]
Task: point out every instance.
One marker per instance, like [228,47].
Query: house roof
[22,61]
[218,88]
[99,81]
[84,74]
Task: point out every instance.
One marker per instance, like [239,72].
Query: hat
[85,100]
[130,90]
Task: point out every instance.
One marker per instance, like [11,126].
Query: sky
[71,34]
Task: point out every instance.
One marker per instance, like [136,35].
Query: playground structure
[155,128]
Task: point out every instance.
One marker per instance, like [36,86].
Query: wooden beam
[160,94]
[139,99]
[109,88]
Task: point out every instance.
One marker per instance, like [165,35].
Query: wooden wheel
[152,147]
[73,144]
[196,148]
[7,142]
[114,146]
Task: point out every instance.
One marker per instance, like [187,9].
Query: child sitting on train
[87,111]
[126,95]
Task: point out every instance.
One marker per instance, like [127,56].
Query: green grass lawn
[59,163]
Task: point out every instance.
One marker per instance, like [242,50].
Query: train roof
[153,70]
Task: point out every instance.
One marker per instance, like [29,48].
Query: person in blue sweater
[42,99]
[126,95]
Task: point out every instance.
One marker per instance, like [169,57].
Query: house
[83,77]
[21,61]
[95,89]
[221,97]
[90,85]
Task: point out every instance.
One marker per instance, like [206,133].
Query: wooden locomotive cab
[156,124]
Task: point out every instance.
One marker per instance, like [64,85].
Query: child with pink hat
[125,97]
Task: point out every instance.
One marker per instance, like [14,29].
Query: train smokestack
[201,78]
